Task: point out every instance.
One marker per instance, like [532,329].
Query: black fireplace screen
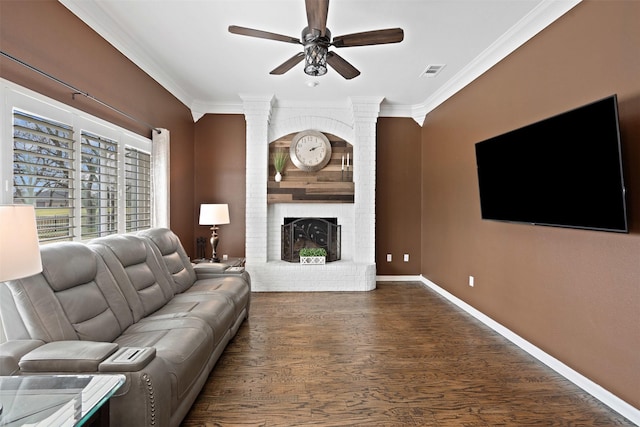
[298,233]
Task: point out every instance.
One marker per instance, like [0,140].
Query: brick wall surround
[266,121]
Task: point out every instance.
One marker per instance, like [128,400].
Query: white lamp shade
[19,249]
[212,214]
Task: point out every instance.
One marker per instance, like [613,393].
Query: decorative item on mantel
[349,178]
[331,183]
[279,162]
[313,256]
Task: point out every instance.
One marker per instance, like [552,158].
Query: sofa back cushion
[74,298]
[40,313]
[137,272]
[172,256]
[12,323]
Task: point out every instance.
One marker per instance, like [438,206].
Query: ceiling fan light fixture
[316,39]
[315,59]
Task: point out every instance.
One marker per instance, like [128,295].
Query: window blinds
[43,170]
[138,189]
[99,181]
[83,185]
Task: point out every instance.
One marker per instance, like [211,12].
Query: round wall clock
[310,150]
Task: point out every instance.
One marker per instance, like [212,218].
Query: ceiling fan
[316,39]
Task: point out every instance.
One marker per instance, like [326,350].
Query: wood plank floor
[397,356]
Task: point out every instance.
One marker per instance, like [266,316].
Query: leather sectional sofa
[135,295]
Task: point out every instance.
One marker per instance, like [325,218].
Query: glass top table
[55,400]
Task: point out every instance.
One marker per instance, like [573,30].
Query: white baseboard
[417,278]
[605,396]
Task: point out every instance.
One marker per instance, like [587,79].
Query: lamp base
[214,243]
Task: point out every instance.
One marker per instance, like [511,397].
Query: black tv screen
[562,171]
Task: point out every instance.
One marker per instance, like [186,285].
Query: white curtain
[160,150]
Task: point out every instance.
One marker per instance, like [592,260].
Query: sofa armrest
[67,356]
[209,269]
[128,359]
[12,351]
[214,270]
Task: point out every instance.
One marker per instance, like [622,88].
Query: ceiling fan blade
[343,68]
[288,64]
[243,31]
[317,11]
[367,38]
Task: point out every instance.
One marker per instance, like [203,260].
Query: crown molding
[530,25]
[534,22]
[121,39]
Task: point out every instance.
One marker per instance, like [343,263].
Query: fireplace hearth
[298,233]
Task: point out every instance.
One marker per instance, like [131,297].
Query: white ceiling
[185,46]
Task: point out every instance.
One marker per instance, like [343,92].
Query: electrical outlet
[471,281]
[406,257]
[225,257]
[389,257]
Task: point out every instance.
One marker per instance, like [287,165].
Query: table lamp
[19,249]
[214,215]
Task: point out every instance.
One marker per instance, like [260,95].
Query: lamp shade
[212,214]
[19,249]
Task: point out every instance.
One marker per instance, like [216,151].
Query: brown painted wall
[220,153]
[220,157]
[573,293]
[398,176]
[45,34]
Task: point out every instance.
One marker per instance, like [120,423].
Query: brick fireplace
[355,122]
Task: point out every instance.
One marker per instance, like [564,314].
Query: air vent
[432,70]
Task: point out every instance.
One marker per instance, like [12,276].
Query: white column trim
[365,112]
[257,112]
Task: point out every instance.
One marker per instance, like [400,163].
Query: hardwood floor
[397,356]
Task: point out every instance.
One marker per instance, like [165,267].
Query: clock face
[310,151]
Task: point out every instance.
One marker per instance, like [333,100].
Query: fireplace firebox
[298,233]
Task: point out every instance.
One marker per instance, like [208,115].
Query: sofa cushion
[233,287]
[89,313]
[172,257]
[217,310]
[185,345]
[126,257]
[55,264]
[75,297]
[40,311]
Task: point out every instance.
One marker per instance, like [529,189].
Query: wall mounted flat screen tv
[563,171]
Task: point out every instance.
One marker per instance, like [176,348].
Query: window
[43,173]
[86,178]
[99,180]
[138,189]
